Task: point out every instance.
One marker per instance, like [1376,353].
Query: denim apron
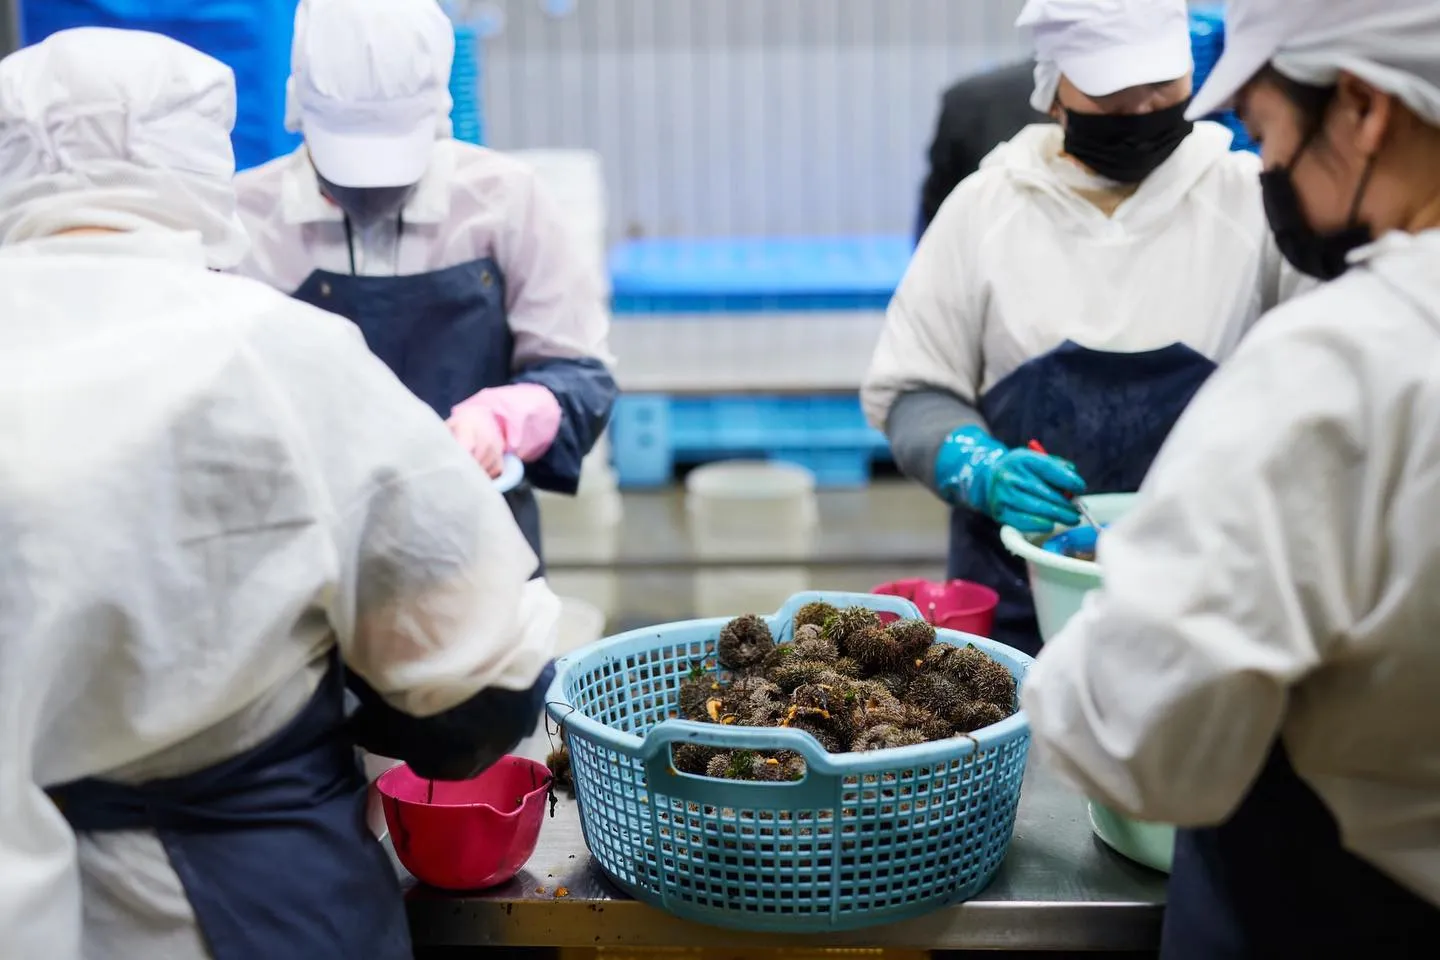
[271,846]
[446,335]
[1108,413]
[1274,882]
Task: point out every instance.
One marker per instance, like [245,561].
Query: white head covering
[1392,44]
[118,129]
[1104,46]
[370,87]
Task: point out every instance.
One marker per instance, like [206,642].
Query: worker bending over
[215,503]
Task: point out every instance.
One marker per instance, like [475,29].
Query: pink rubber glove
[526,414]
[479,433]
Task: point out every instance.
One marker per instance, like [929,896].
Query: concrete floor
[650,573]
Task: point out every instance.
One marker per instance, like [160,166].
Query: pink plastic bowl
[476,833]
[956,605]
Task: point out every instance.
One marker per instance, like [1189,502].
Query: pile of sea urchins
[849,680]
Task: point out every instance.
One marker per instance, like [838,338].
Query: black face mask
[1323,256]
[1126,148]
[366,206]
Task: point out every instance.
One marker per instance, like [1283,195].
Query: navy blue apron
[1108,413]
[1274,882]
[446,335]
[271,845]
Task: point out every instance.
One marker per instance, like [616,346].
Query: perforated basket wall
[864,839]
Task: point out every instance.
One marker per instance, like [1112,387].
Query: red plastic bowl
[956,605]
[476,833]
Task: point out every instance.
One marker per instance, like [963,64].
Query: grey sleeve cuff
[919,424]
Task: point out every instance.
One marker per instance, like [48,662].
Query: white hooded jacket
[1017,262]
[206,489]
[1280,576]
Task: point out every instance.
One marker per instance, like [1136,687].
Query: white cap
[1392,44]
[1105,46]
[120,129]
[369,87]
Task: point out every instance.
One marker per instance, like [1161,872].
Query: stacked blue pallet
[751,279]
[251,36]
[465,87]
[1207,41]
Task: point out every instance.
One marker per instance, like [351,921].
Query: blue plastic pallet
[651,434]
[756,275]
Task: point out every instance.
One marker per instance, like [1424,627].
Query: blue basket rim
[559,709]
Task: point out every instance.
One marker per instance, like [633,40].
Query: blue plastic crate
[650,434]
[863,839]
[251,36]
[749,275]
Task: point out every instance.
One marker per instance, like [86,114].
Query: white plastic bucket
[1059,585]
[1057,582]
[739,510]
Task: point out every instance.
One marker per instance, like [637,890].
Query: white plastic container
[750,510]
[1059,585]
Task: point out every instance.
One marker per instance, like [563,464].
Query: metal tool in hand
[1079,505]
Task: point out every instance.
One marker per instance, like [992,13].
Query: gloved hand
[526,414]
[1018,487]
[478,430]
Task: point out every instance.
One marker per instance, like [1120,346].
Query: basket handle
[812,790]
[880,603]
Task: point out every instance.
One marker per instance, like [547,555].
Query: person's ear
[1365,112]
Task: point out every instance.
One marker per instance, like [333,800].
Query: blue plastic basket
[864,839]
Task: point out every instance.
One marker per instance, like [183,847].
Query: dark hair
[1311,101]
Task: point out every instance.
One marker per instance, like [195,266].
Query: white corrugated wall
[742,117]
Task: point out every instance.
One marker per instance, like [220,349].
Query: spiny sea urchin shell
[912,637]
[885,737]
[818,649]
[844,626]
[990,682]
[745,642]
[797,672]
[814,613]
[692,758]
[973,715]
[936,693]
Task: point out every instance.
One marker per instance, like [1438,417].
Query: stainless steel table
[1060,889]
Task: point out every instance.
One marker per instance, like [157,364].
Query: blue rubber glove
[1017,487]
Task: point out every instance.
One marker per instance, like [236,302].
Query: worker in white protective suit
[213,500]
[458,268]
[1262,665]
[1074,293]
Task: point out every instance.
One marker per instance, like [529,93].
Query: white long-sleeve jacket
[1279,576]
[205,487]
